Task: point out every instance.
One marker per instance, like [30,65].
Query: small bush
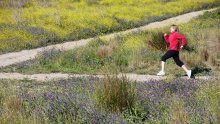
[116,94]
[156,41]
[104,51]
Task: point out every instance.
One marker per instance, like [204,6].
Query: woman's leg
[184,68]
[162,65]
[166,56]
[181,64]
[177,60]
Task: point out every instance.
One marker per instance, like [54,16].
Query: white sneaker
[189,73]
[161,73]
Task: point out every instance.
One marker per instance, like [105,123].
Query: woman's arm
[166,37]
[183,39]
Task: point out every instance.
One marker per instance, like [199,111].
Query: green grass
[138,53]
[26,24]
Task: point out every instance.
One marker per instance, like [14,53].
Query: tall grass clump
[156,41]
[115,94]
[104,51]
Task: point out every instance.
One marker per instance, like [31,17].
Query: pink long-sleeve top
[173,40]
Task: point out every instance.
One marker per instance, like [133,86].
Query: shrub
[104,51]
[156,41]
[115,94]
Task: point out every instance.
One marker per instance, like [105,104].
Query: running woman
[173,50]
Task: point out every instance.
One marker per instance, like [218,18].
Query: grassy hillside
[80,101]
[139,53]
[26,24]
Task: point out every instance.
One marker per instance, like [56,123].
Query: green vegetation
[115,94]
[80,100]
[137,53]
[26,24]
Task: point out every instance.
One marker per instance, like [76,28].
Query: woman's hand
[165,34]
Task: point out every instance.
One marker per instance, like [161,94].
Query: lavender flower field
[76,100]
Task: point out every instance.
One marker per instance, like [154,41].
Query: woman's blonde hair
[175,27]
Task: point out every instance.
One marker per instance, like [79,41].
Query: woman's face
[172,29]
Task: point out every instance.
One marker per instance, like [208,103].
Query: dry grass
[116,94]
[178,113]
[156,41]
[206,48]
[13,104]
[107,50]
[12,109]
[104,51]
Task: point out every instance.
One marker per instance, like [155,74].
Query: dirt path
[56,76]
[17,57]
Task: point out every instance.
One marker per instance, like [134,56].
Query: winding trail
[24,55]
[57,76]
